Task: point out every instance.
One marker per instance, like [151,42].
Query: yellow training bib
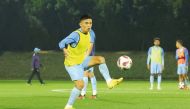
[77,54]
[156,55]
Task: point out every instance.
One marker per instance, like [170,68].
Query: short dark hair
[84,17]
[180,41]
[156,38]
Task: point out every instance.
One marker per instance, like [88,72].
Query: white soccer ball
[124,62]
[181,85]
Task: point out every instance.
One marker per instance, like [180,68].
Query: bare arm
[65,52]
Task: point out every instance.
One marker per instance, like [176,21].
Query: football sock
[159,80]
[74,94]
[105,72]
[186,81]
[93,82]
[151,80]
[83,92]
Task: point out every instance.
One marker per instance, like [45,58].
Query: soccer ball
[124,62]
[181,85]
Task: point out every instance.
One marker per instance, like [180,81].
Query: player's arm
[176,55]
[72,39]
[92,41]
[89,49]
[63,45]
[33,63]
[162,59]
[148,59]
[186,57]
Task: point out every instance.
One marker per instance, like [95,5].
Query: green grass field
[16,94]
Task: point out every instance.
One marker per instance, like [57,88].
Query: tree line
[118,24]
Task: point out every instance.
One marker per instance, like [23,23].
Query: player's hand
[65,52]
[148,66]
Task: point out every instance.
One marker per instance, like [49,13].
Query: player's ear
[80,23]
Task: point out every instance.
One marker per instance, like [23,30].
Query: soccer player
[182,57]
[76,48]
[155,62]
[36,66]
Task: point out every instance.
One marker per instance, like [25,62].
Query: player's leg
[94,87]
[39,77]
[180,73]
[93,82]
[187,81]
[100,61]
[85,79]
[79,84]
[184,80]
[181,82]
[180,78]
[151,81]
[159,72]
[185,77]
[152,73]
[76,73]
[159,81]
[31,76]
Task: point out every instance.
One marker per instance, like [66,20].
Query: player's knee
[159,74]
[91,75]
[86,74]
[183,75]
[101,59]
[180,75]
[79,84]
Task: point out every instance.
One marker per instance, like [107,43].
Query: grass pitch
[16,94]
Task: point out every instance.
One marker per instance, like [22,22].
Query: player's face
[156,42]
[86,25]
[177,44]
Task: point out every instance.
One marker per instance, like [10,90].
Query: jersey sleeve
[176,55]
[92,36]
[186,56]
[73,38]
[162,56]
[148,58]
[33,61]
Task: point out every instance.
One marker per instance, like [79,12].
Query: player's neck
[82,31]
[180,47]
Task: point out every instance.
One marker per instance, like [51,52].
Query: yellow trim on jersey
[77,54]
